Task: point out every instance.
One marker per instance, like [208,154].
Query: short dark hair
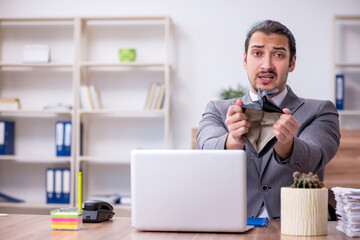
[269,27]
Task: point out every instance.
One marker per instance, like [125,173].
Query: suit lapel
[293,103]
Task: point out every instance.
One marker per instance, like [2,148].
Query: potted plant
[304,206]
[230,93]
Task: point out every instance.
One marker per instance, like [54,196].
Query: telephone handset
[95,211]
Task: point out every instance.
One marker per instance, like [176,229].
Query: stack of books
[9,104]
[90,98]
[348,208]
[155,97]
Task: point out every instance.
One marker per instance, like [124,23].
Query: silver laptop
[188,190]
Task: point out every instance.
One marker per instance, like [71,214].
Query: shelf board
[39,65]
[347,17]
[36,19]
[127,18]
[33,205]
[127,114]
[38,159]
[349,112]
[35,113]
[350,65]
[123,64]
[103,159]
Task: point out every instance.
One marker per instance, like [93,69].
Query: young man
[307,131]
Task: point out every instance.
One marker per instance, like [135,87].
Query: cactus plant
[306,180]
[304,206]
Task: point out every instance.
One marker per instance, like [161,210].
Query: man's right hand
[237,123]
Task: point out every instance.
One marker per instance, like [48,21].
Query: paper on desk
[348,207]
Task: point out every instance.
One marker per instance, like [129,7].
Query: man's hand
[284,130]
[237,123]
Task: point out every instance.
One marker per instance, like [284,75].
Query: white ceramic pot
[304,211]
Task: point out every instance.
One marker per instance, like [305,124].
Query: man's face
[267,61]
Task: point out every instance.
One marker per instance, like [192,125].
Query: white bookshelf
[84,51]
[122,124]
[346,36]
[37,86]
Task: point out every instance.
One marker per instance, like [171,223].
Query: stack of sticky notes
[66,219]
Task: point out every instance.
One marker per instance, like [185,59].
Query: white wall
[209,42]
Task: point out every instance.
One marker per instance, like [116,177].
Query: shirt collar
[277,99]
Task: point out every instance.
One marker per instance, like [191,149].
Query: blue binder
[81,138]
[65,192]
[59,138]
[340,91]
[58,185]
[8,198]
[67,139]
[7,137]
[50,185]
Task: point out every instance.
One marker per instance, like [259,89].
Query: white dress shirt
[277,100]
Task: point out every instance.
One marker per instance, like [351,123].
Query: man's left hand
[284,130]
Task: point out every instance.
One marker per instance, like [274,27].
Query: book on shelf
[90,98]
[85,98]
[150,97]
[155,97]
[93,97]
[7,135]
[160,97]
[9,104]
[98,98]
[340,91]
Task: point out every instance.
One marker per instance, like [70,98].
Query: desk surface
[16,226]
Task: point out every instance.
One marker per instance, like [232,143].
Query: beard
[253,83]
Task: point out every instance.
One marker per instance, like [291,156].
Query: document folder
[7,137]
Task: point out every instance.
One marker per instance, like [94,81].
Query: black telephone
[95,211]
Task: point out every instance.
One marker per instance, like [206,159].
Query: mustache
[266,72]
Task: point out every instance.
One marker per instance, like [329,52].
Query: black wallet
[262,115]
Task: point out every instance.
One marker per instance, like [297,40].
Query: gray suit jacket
[315,144]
